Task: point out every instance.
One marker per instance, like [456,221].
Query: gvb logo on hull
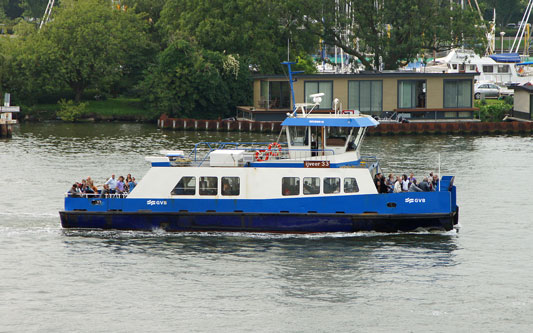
[156,202]
[413,200]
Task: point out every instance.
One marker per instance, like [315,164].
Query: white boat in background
[502,69]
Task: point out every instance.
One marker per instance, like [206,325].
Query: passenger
[377,177]
[383,182]
[398,185]
[105,192]
[73,192]
[435,182]
[411,178]
[112,182]
[121,188]
[405,183]
[390,183]
[424,185]
[414,187]
[128,178]
[90,184]
[131,184]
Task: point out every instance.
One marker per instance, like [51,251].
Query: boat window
[472,67]
[350,185]
[336,136]
[311,185]
[299,136]
[488,69]
[332,185]
[208,185]
[290,186]
[186,186]
[231,185]
[503,68]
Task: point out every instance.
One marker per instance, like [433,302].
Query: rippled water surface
[54,280]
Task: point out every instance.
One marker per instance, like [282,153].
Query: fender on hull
[241,222]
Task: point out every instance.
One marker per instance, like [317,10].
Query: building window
[208,186]
[411,94]
[290,186]
[488,69]
[186,186]
[275,95]
[365,96]
[315,87]
[311,185]
[350,185]
[457,93]
[231,185]
[332,185]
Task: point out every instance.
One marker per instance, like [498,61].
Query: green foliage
[71,111]
[256,30]
[394,32]
[305,63]
[189,81]
[493,112]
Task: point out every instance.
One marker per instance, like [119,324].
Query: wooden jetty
[472,128]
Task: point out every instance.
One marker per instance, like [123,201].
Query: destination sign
[316,164]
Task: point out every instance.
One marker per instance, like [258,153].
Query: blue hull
[282,223]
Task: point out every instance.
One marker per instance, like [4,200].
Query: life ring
[276,151]
[262,155]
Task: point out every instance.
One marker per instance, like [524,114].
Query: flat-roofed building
[425,97]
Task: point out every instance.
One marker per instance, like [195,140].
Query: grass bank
[120,109]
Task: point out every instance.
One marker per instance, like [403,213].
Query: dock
[7,121]
[427,128]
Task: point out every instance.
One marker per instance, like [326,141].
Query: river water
[54,280]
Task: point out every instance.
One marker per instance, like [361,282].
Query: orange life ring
[262,155]
[276,151]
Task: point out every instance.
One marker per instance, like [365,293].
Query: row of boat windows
[311,185]
[231,186]
[485,68]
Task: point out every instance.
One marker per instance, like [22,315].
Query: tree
[189,81]
[90,44]
[390,33]
[256,30]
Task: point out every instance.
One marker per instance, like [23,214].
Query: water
[63,280]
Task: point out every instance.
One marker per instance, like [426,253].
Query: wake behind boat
[313,179]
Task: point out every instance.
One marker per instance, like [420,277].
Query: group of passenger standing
[397,184]
[86,187]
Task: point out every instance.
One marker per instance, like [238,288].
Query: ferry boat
[312,179]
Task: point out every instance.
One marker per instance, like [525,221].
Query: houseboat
[312,179]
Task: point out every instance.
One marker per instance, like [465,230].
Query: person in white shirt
[112,183]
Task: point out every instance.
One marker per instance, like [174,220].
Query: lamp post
[502,33]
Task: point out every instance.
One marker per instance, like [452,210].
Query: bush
[493,112]
[70,111]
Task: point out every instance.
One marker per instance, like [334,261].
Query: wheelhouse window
[185,186]
[290,186]
[337,136]
[457,93]
[231,185]
[299,135]
[315,87]
[208,186]
[332,185]
[350,185]
[365,95]
[311,185]
[275,95]
[411,94]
